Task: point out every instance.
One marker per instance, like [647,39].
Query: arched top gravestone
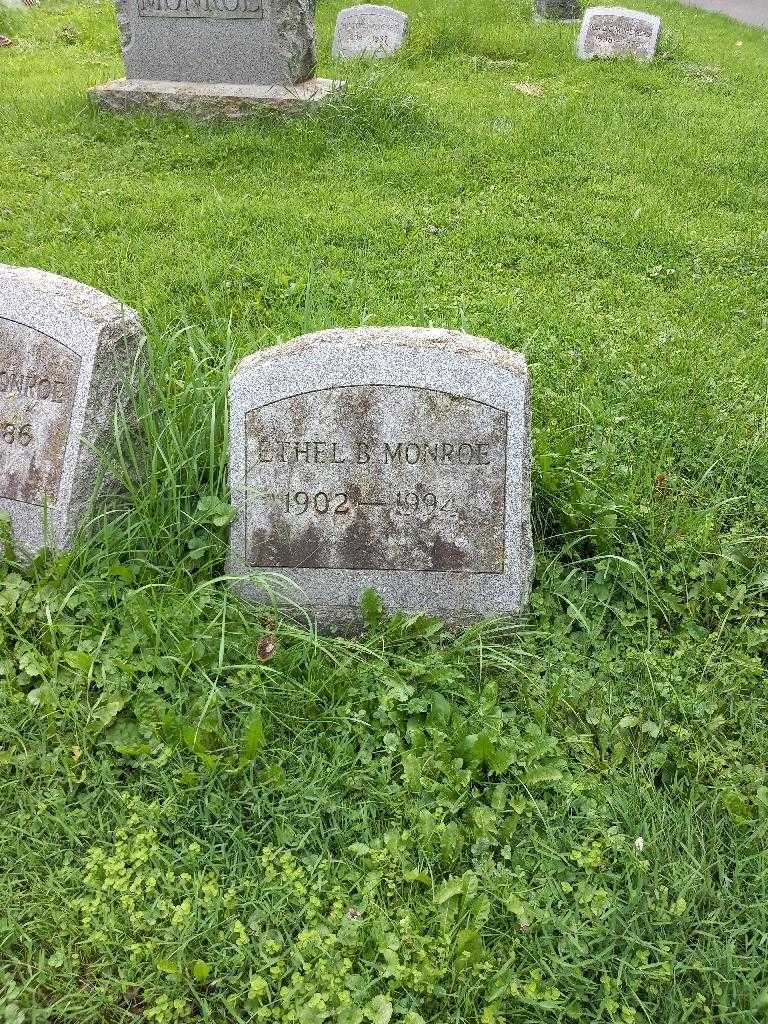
[66,354]
[369,30]
[618,32]
[394,458]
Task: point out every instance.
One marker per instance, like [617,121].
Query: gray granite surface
[369,30]
[394,458]
[66,356]
[618,32]
[240,42]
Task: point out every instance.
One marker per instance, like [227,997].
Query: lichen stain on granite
[38,382]
[383,504]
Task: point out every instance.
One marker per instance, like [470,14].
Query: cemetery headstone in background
[395,459]
[370,30]
[66,356]
[559,10]
[219,58]
[618,32]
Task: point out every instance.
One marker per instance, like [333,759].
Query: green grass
[207,814]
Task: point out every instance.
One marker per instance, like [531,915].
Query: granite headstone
[242,42]
[559,10]
[215,57]
[618,32]
[395,459]
[66,356]
[369,30]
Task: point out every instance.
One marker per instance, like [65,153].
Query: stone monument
[66,356]
[391,458]
[618,32]
[369,30]
[558,10]
[215,58]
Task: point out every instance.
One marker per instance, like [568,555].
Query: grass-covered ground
[205,814]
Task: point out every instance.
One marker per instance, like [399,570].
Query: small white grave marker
[370,30]
[618,32]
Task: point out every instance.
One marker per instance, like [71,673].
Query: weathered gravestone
[215,58]
[559,10]
[370,30]
[66,353]
[394,458]
[618,32]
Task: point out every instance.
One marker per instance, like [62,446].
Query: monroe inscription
[216,43]
[66,355]
[559,10]
[395,459]
[201,9]
[395,484]
[38,381]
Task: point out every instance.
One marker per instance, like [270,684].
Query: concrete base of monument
[210,100]
[349,620]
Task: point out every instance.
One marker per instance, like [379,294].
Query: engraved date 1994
[340,503]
